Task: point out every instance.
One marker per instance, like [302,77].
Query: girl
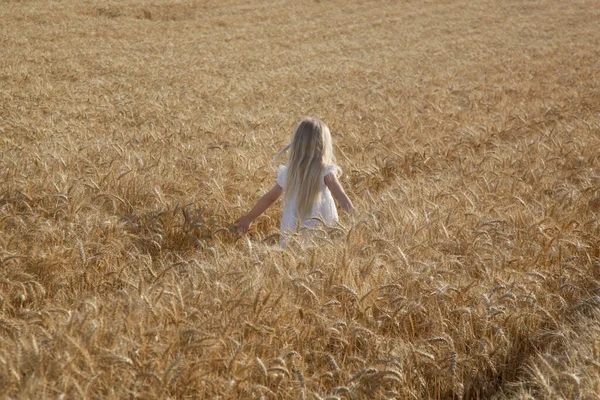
[307,182]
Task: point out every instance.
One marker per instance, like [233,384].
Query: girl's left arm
[338,193]
[243,224]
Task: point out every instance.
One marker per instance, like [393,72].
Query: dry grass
[134,133]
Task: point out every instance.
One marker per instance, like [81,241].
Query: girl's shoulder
[329,168]
[281,175]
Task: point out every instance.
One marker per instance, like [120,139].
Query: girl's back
[323,208]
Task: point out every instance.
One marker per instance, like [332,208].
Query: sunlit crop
[133,134]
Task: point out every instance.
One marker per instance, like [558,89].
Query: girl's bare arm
[338,193]
[260,207]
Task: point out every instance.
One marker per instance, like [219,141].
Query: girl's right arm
[243,224]
[338,193]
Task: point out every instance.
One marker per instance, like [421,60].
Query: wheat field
[134,133]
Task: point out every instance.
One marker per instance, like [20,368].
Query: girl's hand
[243,224]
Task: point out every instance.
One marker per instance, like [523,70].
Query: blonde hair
[311,150]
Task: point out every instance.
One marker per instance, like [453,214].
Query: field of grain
[134,133]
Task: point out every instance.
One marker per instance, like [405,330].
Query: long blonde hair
[311,150]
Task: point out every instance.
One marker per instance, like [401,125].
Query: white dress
[324,208]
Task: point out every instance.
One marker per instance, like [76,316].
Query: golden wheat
[133,134]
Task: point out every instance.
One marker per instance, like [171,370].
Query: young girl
[307,182]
